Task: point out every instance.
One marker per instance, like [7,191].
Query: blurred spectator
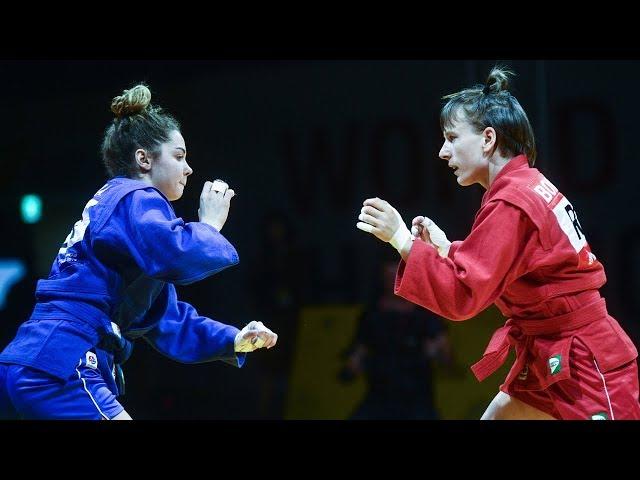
[394,346]
[278,288]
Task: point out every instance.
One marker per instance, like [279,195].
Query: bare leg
[505,407]
[123,415]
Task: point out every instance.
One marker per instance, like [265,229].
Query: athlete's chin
[462,182]
[174,195]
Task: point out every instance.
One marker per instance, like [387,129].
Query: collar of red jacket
[516,163]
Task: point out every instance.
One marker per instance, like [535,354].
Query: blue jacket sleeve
[182,335]
[163,246]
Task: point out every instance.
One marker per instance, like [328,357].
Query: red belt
[498,349]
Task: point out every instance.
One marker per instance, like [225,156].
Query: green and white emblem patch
[554,364]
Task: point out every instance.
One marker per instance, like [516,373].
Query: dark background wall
[306,142]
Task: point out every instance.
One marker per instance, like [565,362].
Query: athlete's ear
[143,160]
[489,140]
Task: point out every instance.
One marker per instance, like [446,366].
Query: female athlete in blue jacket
[113,279]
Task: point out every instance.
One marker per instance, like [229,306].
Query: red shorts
[587,394]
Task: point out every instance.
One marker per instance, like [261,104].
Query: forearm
[406,249]
[181,334]
[196,341]
[435,283]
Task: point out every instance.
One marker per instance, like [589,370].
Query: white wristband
[400,238]
[401,235]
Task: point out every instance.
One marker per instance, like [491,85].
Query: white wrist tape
[401,235]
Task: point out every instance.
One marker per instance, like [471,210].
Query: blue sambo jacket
[113,281]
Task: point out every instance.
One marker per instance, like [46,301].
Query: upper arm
[144,230]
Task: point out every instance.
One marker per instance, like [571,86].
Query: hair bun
[497,81]
[132,101]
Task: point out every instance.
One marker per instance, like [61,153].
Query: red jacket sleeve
[477,270]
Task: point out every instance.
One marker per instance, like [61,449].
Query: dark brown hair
[491,105]
[137,124]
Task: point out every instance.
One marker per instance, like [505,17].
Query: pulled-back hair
[491,105]
[137,124]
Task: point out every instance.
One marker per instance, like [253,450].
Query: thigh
[84,396]
[590,394]
[508,407]
[7,412]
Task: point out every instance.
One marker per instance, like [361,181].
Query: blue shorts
[28,393]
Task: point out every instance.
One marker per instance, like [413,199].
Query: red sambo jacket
[527,253]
